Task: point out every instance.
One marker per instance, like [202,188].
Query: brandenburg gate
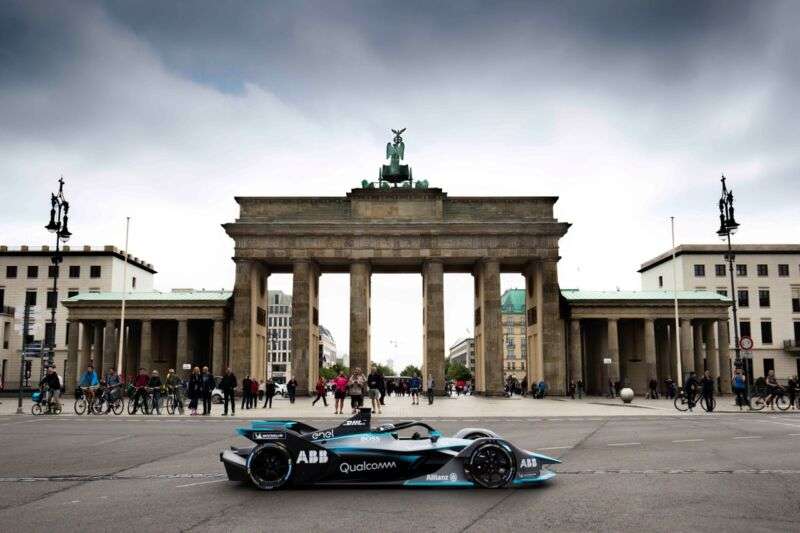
[398,225]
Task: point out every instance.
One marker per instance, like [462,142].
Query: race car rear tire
[269,466]
[491,465]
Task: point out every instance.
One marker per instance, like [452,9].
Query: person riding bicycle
[772,388]
[89,382]
[175,387]
[155,385]
[740,388]
[690,387]
[113,383]
[140,385]
[52,383]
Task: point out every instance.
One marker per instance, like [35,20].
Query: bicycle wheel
[782,402]
[681,404]
[99,407]
[704,404]
[118,406]
[36,409]
[147,405]
[757,403]
[56,409]
[131,406]
[80,406]
[170,405]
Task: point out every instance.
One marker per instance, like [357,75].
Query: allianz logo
[347,468]
[442,477]
[312,457]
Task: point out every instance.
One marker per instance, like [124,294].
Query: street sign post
[746,343]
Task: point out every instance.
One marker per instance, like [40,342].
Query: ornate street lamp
[727,227]
[59,209]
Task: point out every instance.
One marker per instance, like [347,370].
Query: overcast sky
[627,111]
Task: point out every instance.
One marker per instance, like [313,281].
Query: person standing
[690,389]
[415,384]
[269,392]
[356,386]
[740,388]
[140,386]
[581,390]
[791,387]
[228,385]
[373,382]
[195,390]
[321,392]
[707,389]
[339,392]
[291,389]
[155,385]
[175,387]
[207,382]
[431,388]
[653,385]
[247,400]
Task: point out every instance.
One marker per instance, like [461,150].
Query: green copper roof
[575,295]
[179,296]
[513,301]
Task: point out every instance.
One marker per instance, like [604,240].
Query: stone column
[673,353]
[650,349]
[145,348]
[97,344]
[109,345]
[489,330]
[360,315]
[724,356]
[129,364]
[72,373]
[249,320]
[305,326]
[217,348]
[533,307]
[433,323]
[613,351]
[687,346]
[699,355]
[712,356]
[552,330]
[182,345]
[575,359]
[86,342]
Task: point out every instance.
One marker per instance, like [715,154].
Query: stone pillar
[249,320]
[216,349]
[433,324]
[613,351]
[72,372]
[86,342]
[533,308]
[673,353]
[687,346]
[699,355]
[305,326]
[663,353]
[109,345]
[650,349]
[575,359]
[182,345]
[145,348]
[724,356]
[97,344]
[489,329]
[552,330]
[360,315]
[129,365]
[712,356]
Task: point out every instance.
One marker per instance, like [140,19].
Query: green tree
[458,371]
[411,370]
[333,371]
[385,370]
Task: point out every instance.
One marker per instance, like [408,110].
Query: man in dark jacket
[291,389]
[155,384]
[269,392]
[228,386]
[690,387]
[247,401]
[207,387]
[707,389]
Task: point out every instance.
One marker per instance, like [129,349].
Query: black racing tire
[491,465]
[269,466]
[476,435]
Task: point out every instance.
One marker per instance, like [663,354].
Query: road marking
[794,434]
[554,448]
[109,441]
[75,501]
[688,440]
[200,483]
[749,437]
[624,444]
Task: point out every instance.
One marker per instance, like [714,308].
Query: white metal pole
[121,351]
[679,377]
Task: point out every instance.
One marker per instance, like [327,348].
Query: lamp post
[59,209]
[727,227]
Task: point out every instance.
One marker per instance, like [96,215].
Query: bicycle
[110,400]
[759,399]
[38,397]
[85,403]
[681,402]
[145,403]
[172,400]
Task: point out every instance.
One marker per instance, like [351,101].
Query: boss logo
[322,435]
[370,438]
[528,462]
[269,436]
[312,457]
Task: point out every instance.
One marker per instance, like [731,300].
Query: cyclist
[140,384]
[52,382]
[89,383]
[175,387]
[155,387]
[772,389]
[792,387]
[740,388]
[690,387]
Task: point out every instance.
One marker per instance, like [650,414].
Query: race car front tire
[269,466]
[491,465]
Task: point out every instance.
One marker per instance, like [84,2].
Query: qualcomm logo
[313,456]
[347,468]
[528,462]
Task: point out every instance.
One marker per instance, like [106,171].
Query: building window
[75,271]
[783,270]
[94,290]
[744,329]
[741,270]
[52,271]
[722,292]
[700,289]
[33,272]
[66,336]
[743,297]
[766,332]
[762,270]
[660,281]
[795,299]
[52,299]
[72,292]
[50,334]
[2,298]
[769,364]
[719,270]
[30,298]
[11,272]
[699,271]
[94,271]
[763,297]
[133,282]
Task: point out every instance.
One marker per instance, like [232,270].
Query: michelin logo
[347,468]
[269,436]
[312,457]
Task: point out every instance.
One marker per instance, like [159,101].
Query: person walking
[247,400]
[155,385]
[431,388]
[195,390]
[321,392]
[339,392]
[291,389]
[571,388]
[175,387]
[740,388]
[373,384]
[207,382]
[707,385]
[415,384]
[228,386]
[269,392]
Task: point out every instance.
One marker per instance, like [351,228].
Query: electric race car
[289,453]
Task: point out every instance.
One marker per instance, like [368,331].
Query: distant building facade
[767,284]
[463,352]
[279,336]
[327,347]
[515,346]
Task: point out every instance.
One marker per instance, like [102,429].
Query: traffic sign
[746,343]
[606,360]
[747,354]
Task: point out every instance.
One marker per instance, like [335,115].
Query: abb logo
[312,457]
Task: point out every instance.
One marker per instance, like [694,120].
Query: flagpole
[679,377]
[121,351]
